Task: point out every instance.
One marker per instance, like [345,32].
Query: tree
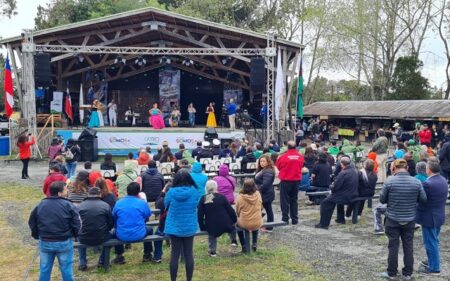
[442,24]
[8,8]
[407,81]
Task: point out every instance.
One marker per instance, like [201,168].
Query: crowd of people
[95,209]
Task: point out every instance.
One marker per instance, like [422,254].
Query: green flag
[300,89]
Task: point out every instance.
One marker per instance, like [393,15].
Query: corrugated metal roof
[404,109]
[148,13]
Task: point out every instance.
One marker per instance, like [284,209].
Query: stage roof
[151,27]
[399,109]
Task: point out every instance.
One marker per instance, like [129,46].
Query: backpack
[68,154]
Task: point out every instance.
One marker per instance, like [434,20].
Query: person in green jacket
[123,180]
[258,151]
[333,149]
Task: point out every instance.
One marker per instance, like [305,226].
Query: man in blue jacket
[231,109]
[130,214]
[54,222]
[431,215]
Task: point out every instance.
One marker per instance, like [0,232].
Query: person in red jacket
[290,165]
[23,143]
[55,175]
[425,135]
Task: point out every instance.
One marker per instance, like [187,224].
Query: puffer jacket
[199,178]
[123,180]
[181,202]
[152,184]
[264,181]
[248,209]
[225,183]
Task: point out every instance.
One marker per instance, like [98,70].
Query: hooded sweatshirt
[199,178]
[181,217]
[152,184]
[123,180]
[225,183]
[347,147]
[248,209]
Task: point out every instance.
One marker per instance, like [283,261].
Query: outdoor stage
[120,141]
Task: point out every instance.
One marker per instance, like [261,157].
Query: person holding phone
[24,143]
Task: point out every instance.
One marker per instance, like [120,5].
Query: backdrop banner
[56,104]
[169,89]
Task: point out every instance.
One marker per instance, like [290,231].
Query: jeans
[288,200]
[192,119]
[118,250]
[185,244]
[63,251]
[148,247]
[25,167]
[268,207]
[158,245]
[377,212]
[430,237]
[71,169]
[243,238]
[395,232]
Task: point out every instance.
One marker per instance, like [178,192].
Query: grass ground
[277,263]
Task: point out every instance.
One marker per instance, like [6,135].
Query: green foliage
[407,81]
[8,8]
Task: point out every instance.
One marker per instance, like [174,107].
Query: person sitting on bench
[345,189]
[366,187]
[130,214]
[321,180]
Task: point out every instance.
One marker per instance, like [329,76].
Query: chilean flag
[68,106]
[8,87]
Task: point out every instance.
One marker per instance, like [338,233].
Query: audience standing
[72,155]
[24,143]
[380,147]
[264,178]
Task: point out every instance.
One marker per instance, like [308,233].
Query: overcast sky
[432,50]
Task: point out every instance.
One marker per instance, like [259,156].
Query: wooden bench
[152,238]
[317,193]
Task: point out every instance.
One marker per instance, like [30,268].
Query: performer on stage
[112,112]
[129,114]
[100,107]
[191,111]
[175,117]
[94,121]
[211,121]
[156,119]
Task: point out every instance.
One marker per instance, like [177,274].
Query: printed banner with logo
[57,103]
[169,89]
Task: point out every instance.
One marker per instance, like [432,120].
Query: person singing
[156,120]
[191,111]
[211,121]
[112,112]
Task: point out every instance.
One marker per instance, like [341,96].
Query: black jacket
[55,219]
[152,184]
[366,187]
[444,157]
[110,199]
[204,153]
[217,217]
[166,156]
[264,181]
[96,221]
[105,166]
[162,217]
[75,149]
[195,151]
[248,158]
[345,187]
[215,151]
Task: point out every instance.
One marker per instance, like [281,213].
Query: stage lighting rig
[140,61]
[165,60]
[120,60]
[187,62]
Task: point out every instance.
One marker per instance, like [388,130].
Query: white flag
[279,87]
[81,103]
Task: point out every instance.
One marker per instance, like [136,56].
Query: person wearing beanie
[216,216]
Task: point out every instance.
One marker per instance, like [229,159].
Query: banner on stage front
[169,89]
[56,104]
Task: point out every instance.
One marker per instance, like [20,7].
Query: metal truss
[149,50]
[270,64]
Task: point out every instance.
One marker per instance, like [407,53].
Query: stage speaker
[124,123]
[42,70]
[210,134]
[142,123]
[88,134]
[89,149]
[184,123]
[257,74]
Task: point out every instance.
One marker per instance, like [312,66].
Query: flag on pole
[68,106]
[300,89]
[279,87]
[8,88]
[80,104]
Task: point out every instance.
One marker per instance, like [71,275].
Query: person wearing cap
[231,110]
[431,215]
[54,176]
[444,157]
[290,165]
[380,147]
[344,190]
[205,152]
[215,150]
[425,135]
[401,193]
[96,224]
[54,222]
[398,131]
